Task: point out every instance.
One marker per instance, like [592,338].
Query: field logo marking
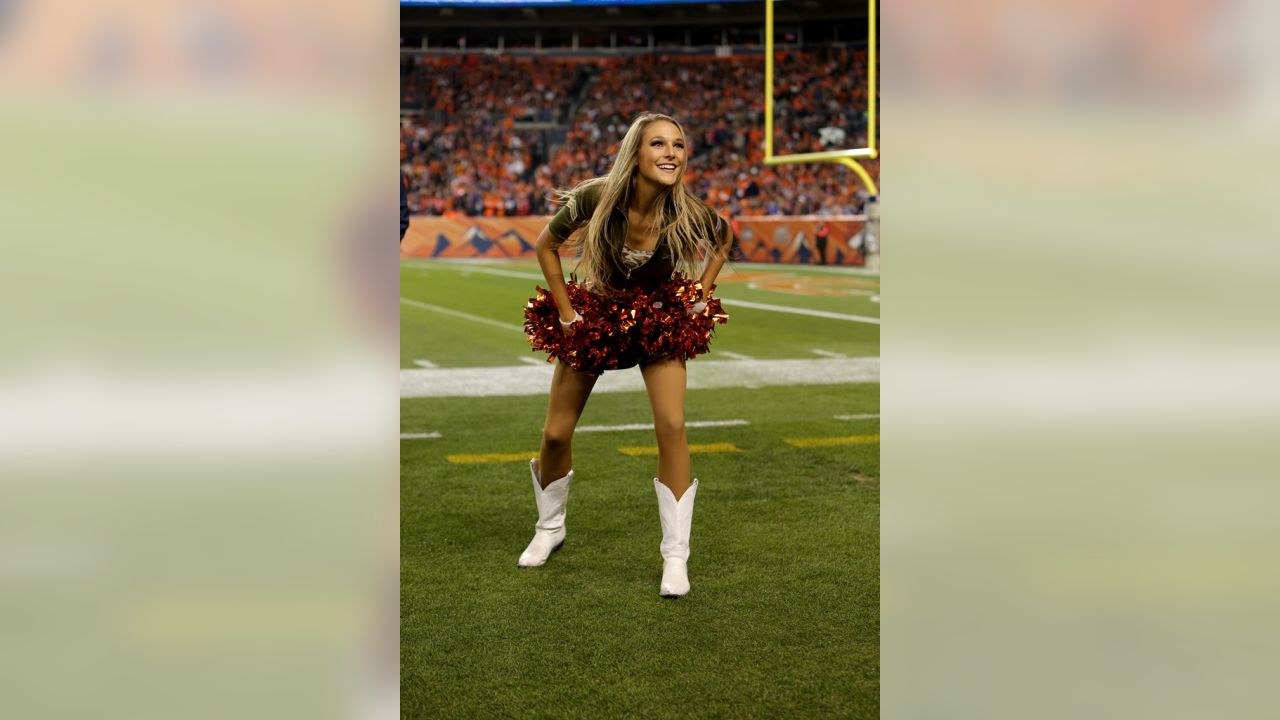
[707,448]
[833,441]
[792,284]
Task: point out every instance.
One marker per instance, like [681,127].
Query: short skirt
[618,331]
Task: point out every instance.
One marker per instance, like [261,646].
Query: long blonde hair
[685,223]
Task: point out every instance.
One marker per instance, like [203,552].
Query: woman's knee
[669,428]
[557,436]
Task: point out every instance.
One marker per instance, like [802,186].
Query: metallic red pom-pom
[618,331]
[671,331]
[596,341]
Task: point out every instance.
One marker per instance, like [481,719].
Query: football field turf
[783,616]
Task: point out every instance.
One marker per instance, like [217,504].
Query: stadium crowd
[464,156]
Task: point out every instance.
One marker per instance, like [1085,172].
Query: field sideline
[783,422]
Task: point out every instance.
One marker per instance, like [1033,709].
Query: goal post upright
[843,157]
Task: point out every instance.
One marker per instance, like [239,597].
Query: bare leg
[665,380]
[569,392]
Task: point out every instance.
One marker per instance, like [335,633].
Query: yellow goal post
[844,157]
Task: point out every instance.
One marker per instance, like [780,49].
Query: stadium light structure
[844,157]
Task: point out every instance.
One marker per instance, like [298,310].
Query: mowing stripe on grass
[419,436]
[491,457]
[832,441]
[863,416]
[703,374]
[649,426]
[707,448]
[460,314]
[730,302]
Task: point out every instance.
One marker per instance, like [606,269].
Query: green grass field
[783,616]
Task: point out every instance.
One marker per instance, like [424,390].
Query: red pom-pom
[671,330]
[600,340]
[619,331]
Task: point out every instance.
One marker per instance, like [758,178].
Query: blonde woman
[641,238]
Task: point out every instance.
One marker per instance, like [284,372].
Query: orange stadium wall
[760,239]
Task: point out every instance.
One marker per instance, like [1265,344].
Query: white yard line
[649,426]
[531,360]
[703,374]
[494,271]
[419,436]
[468,261]
[460,314]
[733,355]
[730,302]
[863,416]
[828,353]
[425,364]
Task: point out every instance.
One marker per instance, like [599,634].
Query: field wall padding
[790,240]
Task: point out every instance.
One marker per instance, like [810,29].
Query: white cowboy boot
[548,534]
[677,519]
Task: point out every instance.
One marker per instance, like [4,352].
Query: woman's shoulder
[587,193]
[579,204]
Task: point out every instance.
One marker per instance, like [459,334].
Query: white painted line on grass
[531,360]
[733,355]
[460,314]
[496,271]
[863,416]
[419,436]
[649,426]
[472,260]
[703,374]
[730,302]
[425,364]
[828,353]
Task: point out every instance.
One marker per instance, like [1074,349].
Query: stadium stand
[491,135]
[499,109]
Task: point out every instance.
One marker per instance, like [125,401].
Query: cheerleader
[641,237]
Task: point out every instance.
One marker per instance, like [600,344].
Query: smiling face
[662,154]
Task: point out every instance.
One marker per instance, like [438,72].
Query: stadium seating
[465,155]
